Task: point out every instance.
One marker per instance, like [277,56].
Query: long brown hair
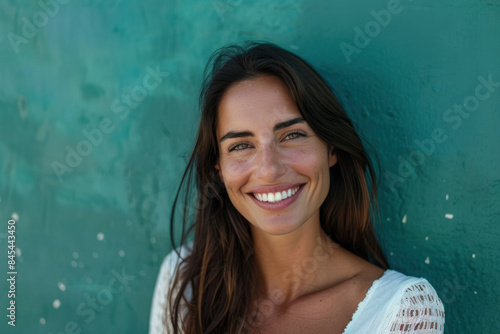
[219,269]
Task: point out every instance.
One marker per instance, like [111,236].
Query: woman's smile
[275,195]
[277,200]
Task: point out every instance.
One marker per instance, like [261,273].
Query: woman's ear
[332,157]
[217,167]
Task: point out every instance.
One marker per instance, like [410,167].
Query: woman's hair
[219,270]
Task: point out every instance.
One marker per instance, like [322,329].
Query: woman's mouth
[277,200]
[276,197]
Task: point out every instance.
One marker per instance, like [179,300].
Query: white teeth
[277,196]
[284,195]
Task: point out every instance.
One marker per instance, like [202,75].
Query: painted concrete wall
[98,113]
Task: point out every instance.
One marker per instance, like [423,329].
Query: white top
[395,303]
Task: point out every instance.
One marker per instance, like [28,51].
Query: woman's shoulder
[172,259]
[170,265]
[415,305]
[168,268]
[399,303]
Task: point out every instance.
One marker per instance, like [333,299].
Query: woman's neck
[290,266]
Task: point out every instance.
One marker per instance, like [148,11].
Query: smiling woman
[283,236]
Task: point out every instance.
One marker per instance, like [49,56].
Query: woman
[283,233]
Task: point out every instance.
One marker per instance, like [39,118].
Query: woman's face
[274,167]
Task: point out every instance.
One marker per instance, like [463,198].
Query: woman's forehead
[264,99]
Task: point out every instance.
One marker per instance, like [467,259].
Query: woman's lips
[277,203]
[275,197]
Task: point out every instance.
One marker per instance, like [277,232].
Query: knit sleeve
[420,311]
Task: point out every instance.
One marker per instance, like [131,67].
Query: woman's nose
[270,164]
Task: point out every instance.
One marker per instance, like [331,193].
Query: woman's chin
[277,226]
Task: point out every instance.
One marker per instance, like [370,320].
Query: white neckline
[365,300]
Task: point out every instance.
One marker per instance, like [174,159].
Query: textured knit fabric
[395,303]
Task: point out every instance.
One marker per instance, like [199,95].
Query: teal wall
[96,228]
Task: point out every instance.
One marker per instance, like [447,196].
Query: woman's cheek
[235,169]
[308,161]
[304,155]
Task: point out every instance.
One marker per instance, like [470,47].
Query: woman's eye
[239,147]
[294,135]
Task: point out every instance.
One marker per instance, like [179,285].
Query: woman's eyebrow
[278,126]
[288,123]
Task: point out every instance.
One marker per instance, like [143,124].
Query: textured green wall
[91,232]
